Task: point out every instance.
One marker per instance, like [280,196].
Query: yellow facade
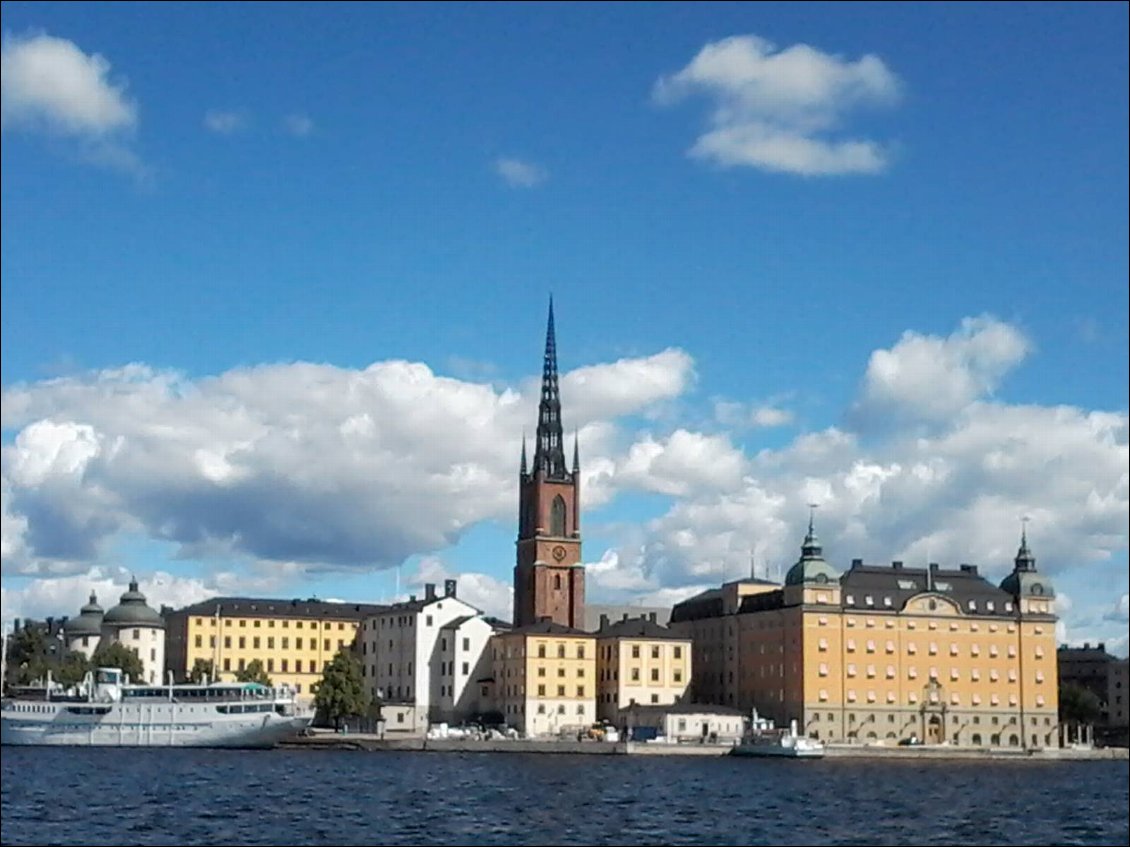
[642,671]
[545,678]
[293,648]
[879,655]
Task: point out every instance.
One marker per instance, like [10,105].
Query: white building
[684,722]
[422,658]
[133,623]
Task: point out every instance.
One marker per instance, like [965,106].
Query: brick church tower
[549,579]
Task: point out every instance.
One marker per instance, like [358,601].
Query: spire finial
[1024,559]
[812,507]
[549,453]
[811,548]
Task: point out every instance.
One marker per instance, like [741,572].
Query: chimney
[934,566]
[857,563]
[50,625]
[449,588]
[651,617]
[969,569]
[625,617]
[429,591]
[604,621]
[545,619]
[411,598]
[897,565]
[1102,647]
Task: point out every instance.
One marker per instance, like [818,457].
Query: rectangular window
[541,651]
[285,665]
[635,674]
[227,641]
[635,651]
[466,668]
[541,671]
[541,691]
[227,664]
[560,651]
[655,651]
[255,642]
[428,620]
[270,665]
[655,674]
[466,643]
[580,691]
[678,652]
[271,643]
[580,651]
[678,676]
[561,691]
[199,641]
[242,641]
[326,645]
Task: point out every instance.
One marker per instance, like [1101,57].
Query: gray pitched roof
[638,628]
[962,585]
[549,628]
[273,607]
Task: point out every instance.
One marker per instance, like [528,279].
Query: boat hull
[777,752]
[143,725]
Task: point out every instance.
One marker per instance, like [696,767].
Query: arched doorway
[934,730]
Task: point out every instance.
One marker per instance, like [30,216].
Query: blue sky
[275,281]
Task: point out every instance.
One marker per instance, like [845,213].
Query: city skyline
[276,278]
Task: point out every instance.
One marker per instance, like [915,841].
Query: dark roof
[637,628]
[682,709]
[273,607]
[901,583]
[549,628]
[458,622]
[498,623]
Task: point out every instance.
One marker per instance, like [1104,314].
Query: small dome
[132,610]
[811,566]
[1025,581]
[89,621]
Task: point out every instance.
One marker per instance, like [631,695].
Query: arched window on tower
[557,581]
[557,516]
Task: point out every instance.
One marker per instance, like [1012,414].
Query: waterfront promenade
[361,741]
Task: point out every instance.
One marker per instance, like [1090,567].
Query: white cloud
[928,378]
[225,122]
[683,463]
[740,416]
[518,173]
[331,467]
[1120,611]
[50,85]
[491,596]
[299,125]
[777,109]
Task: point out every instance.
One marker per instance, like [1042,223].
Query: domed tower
[82,633]
[812,580]
[133,623]
[1032,591]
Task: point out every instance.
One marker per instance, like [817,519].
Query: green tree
[32,654]
[118,655]
[202,671]
[341,692]
[253,673]
[1078,704]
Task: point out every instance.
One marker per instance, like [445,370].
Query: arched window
[557,516]
[557,581]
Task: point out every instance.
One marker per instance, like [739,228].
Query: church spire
[549,454]
[1024,561]
[522,470]
[576,453]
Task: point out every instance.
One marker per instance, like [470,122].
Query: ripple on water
[344,797]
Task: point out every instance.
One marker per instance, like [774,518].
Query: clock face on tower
[559,552]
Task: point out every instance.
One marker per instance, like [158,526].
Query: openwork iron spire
[811,548]
[549,455]
[1025,561]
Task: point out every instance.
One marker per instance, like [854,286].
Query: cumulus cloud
[330,467]
[741,416]
[1120,611]
[518,173]
[49,85]
[488,594]
[928,378]
[779,109]
[224,121]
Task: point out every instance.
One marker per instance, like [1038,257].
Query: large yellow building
[884,653]
[639,662]
[292,639]
[544,678]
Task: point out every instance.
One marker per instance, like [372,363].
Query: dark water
[344,797]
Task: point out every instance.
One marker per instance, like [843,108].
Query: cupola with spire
[811,567]
[1025,581]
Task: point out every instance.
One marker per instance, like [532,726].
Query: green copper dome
[811,566]
[132,610]
[89,621]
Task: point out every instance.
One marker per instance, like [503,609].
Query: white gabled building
[421,659]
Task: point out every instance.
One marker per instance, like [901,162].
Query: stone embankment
[336,741]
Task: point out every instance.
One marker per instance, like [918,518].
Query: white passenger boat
[105,712]
[763,739]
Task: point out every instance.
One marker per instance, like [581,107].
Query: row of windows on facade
[888,601]
[445,669]
[284,666]
[872,696]
[255,642]
[392,645]
[136,637]
[891,672]
[606,674]
[520,709]
[871,647]
[271,623]
[871,623]
[542,652]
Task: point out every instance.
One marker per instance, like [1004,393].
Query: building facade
[85,631]
[884,653]
[134,624]
[543,678]
[549,578]
[293,640]
[422,659]
[1092,668]
[639,662]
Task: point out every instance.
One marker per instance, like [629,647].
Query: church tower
[549,579]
